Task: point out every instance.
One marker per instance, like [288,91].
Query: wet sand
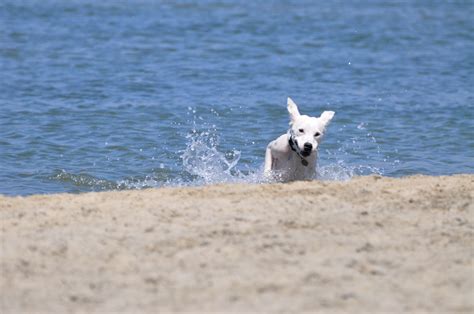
[368,245]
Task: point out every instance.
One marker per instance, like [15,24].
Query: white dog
[293,155]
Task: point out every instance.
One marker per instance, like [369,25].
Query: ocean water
[99,95]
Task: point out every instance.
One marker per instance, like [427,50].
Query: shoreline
[368,244]
[179,187]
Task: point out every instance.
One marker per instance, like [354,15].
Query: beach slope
[370,244]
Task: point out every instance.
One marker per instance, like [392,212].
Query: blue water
[99,95]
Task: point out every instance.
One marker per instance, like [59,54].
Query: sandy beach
[371,244]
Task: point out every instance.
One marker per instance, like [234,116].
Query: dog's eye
[301,130]
[317,134]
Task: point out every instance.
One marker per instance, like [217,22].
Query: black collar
[294,147]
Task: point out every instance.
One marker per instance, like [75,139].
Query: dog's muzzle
[307,149]
[294,147]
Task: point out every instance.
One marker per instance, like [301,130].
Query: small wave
[87,182]
[340,171]
[84,181]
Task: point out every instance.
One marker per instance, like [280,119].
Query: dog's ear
[293,110]
[326,117]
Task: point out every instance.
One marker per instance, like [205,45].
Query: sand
[368,245]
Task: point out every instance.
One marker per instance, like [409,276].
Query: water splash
[203,160]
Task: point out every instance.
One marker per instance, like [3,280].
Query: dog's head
[307,132]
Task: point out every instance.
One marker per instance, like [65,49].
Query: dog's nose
[308,147]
